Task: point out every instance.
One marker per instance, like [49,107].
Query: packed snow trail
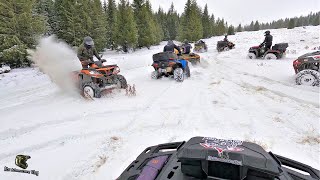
[227,96]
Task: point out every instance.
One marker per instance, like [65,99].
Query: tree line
[312,19]
[117,26]
[112,25]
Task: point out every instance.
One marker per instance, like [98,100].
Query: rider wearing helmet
[86,52]
[186,47]
[226,38]
[170,47]
[268,40]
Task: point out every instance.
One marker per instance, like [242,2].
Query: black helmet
[88,41]
[170,42]
[267,32]
[226,36]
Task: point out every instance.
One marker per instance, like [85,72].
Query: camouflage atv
[193,58]
[200,47]
[307,69]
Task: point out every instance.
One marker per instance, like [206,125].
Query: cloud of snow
[57,60]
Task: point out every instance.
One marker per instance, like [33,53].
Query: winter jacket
[171,47]
[268,40]
[87,54]
[187,48]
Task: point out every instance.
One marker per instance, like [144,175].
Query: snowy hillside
[227,96]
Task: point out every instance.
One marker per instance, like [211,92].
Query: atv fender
[255,51]
[184,63]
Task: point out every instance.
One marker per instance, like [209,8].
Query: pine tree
[316,20]
[19,27]
[291,24]
[207,28]
[98,28]
[161,19]
[231,30]
[256,26]
[191,15]
[141,18]
[213,26]
[221,29]
[251,27]
[172,23]
[44,10]
[83,22]
[111,13]
[156,26]
[65,21]
[239,28]
[126,28]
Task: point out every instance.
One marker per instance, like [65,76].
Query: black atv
[307,69]
[169,64]
[276,52]
[204,158]
[224,46]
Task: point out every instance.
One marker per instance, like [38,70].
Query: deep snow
[228,96]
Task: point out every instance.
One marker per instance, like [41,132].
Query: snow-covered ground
[228,96]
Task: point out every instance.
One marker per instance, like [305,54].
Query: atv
[307,69]
[206,158]
[193,58]
[168,64]
[200,47]
[224,46]
[96,79]
[276,52]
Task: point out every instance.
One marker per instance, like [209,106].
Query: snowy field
[227,96]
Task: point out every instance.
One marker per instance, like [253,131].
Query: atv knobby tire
[178,75]
[308,77]
[252,56]
[270,56]
[96,91]
[155,75]
[122,81]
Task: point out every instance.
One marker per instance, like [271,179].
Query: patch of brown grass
[259,88]
[311,140]
[114,138]
[216,83]
[101,161]
[277,119]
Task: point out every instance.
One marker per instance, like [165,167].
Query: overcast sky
[244,11]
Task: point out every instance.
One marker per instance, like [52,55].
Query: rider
[226,38]
[187,47]
[268,40]
[170,47]
[86,52]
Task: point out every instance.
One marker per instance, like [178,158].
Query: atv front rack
[161,163]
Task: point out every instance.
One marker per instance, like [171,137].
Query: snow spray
[58,61]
